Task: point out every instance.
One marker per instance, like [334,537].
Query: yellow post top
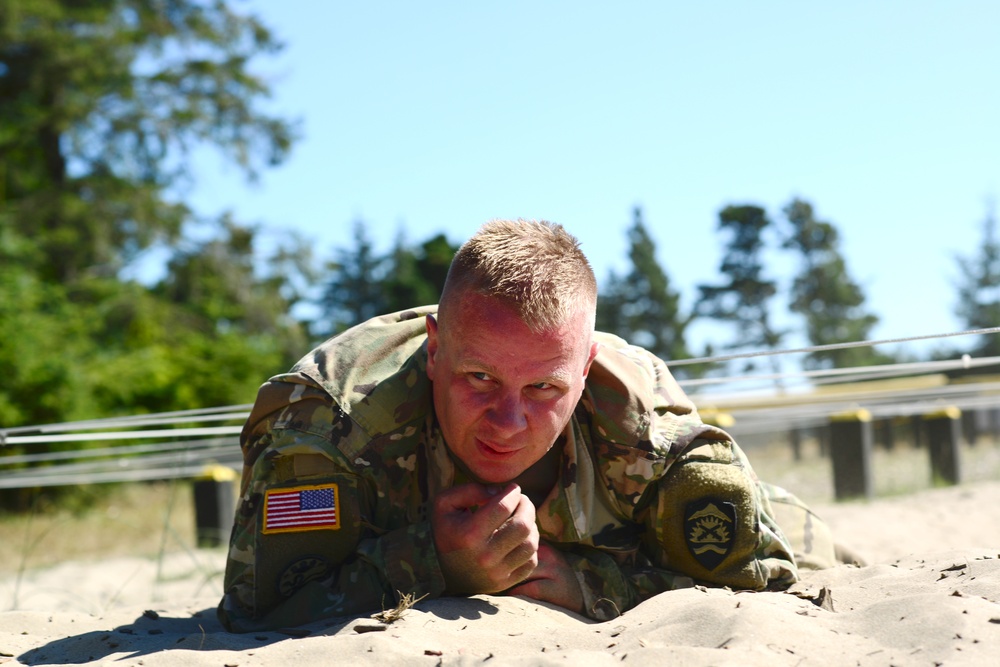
[716,418]
[950,412]
[859,415]
[217,473]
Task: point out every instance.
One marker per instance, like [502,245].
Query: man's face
[502,393]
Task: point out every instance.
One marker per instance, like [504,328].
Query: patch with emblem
[301,508]
[709,530]
[301,572]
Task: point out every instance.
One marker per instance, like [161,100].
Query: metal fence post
[917,432]
[214,505]
[851,452]
[795,439]
[944,432]
[886,435]
[970,426]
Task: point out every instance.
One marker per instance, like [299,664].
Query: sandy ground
[930,596]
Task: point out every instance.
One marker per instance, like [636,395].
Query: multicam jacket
[343,455]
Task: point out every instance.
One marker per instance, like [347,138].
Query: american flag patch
[301,508]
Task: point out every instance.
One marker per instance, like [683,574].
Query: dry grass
[406,600]
[901,470]
[141,520]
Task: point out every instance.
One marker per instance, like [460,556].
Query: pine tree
[99,104]
[824,293]
[979,289]
[744,299]
[354,291]
[641,307]
[415,276]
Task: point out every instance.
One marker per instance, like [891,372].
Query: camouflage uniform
[648,498]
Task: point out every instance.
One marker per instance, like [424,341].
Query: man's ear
[432,344]
[594,349]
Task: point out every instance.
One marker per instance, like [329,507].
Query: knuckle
[440,503]
[506,506]
[485,563]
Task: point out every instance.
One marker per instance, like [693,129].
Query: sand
[930,595]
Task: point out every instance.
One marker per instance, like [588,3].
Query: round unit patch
[299,573]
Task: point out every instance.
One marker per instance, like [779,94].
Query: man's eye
[541,386]
[481,377]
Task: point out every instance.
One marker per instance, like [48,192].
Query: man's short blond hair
[536,267]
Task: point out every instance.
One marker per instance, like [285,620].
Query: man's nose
[508,416]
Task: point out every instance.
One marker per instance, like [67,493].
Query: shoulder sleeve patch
[305,532]
[301,508]
[709,528]
[705,525]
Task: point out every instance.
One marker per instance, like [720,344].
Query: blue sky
[436,117]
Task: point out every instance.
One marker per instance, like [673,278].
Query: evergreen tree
[216,284]
[641,307]
[416,275]
[99,103]
[744,299]
[363,284]
[611,302]
[824,293]
[979,289]
[44,338]
[354,291]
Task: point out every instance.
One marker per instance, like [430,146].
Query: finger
[491,514]
[524,574]
[463,497]
[548,565]
[552,581]
[515,542]
[456,527]
[503,505]
[532,588]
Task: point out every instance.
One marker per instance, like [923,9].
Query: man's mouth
[490,451]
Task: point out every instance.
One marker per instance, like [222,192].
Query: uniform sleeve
[305,543]
[707,520]
[609,588]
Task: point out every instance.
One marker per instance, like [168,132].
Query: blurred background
[194,194]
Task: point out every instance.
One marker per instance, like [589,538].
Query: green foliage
[416,275]
[44,338]
[641,307]
[353,291]
[824,294]
[217,285]
[363,284]
[100,102]
[979,289]
[744,299]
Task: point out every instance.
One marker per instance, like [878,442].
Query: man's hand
[552,581]
[486,538]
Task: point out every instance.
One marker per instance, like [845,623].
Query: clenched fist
[486,538]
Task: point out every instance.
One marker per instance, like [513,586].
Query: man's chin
[486,473]
[492,476]
[491,472]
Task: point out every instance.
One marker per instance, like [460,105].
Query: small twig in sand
[406,601]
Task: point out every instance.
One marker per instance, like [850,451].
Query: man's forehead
[488,311]
[501,344]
